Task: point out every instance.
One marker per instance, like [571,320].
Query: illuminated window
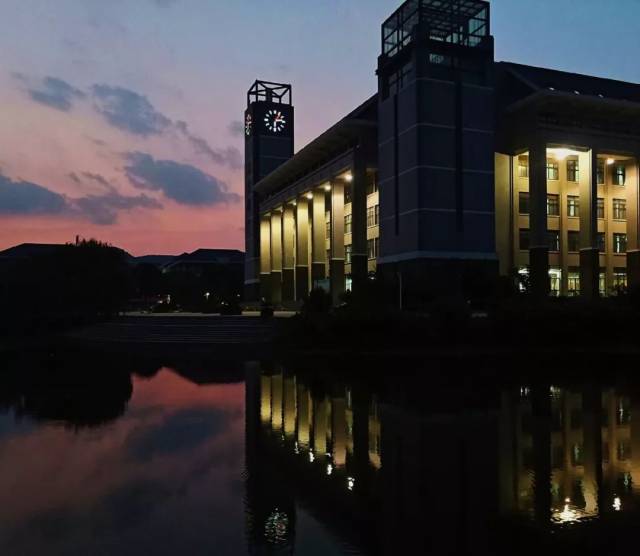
[347,223]
[601,172]
[573,241]
[600,208]
[348,249]
[523,166]
[619,243]
[523,203]
[328,225]
[573,206]
[553,170]
[373,215]
[524,239]
[573,281]
[554,240]
[573,170]
[602,282]
[619,279]
[619,209]
[619,175]
[555,277]
[553,205]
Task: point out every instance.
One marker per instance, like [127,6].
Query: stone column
[359,258]
[276,257]
[276,402]
[302,248]
[339,418]
[336,268]
[288,253]
[633,225]
[290,406]
[539,239]
[592,443]
[304,416]
[319,250]
[589,254]
[265,257]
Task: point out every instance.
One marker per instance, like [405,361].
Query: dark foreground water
[101,457]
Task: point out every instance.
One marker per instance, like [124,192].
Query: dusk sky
[120,119]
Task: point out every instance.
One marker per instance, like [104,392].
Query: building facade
[457,169]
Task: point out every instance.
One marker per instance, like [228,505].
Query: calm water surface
[248,458]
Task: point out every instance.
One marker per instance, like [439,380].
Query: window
[619,278]
[619,209]
[573,242]
[553,172]
[601,172]
[619,175]
[347,223]
[524,239]
[602,282]
[328,229]
[523,166]
[600,208]
[554,240]
[373,215]
[553,205]
[372,184]
[523,203]
[573,206]
[347,195]
[619,243]
[573,170]
[573,281]
[602,244]
[555,277]
[372,248]
[348,249]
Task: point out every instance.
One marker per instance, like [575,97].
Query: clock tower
[268,129]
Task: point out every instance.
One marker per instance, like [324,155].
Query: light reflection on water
[272,460]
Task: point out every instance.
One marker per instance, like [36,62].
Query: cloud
[183,183]
[26,198]
[129,111]
[98,179]
[20,198]
[236,128]
[230,156]
[104,209]
[56,93]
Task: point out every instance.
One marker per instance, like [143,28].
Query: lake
[118,455]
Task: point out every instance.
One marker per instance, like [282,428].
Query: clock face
[274,121]
[248,122]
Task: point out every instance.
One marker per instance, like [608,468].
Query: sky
[121,119]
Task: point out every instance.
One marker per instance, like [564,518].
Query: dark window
[372,248]
[602,244]
[619,243]
[372,216]
[620,209]
[524,239]
[623,411]
[554,240]
[620,175]
[347,195]
[523,166]
[600,208]
[372,184]
[399,78]
[347,223]
[553,205]
[601,172]
[523,203]
[553,172]
[573,206]
[573,241]
[573,170]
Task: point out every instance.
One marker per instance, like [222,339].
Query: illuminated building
[457,169]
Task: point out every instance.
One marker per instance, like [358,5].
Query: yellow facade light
[309,195]
[610,161]
[348,177]
[327,187]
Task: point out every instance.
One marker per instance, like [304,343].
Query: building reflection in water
[450,474]
[569,454]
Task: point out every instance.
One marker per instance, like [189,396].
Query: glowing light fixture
[327,187]
[329,469]
[562,153]
[617,504]
[312,457]
[610,161]
[348,177]
[309,195]
[350,483]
